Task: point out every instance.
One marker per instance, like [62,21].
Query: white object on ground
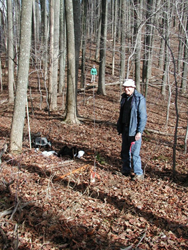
[80,153]
[48,153]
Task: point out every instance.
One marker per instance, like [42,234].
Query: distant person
[131,124]
[93,73]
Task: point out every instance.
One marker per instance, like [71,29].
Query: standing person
[131,124]
[93,73]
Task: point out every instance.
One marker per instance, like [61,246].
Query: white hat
[129,83]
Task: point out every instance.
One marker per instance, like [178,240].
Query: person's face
[129,90]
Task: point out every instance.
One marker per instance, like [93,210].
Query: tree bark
[114,3]
[122,52]
[77,34]
[53,105]
[185,63]
[166,62]
[51,52]
[10,53]
[62,60]
[84,38]
[21,92]
[71,116]
[101,81]
[137,33]
[148,42]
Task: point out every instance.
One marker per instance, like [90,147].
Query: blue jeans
[129,151]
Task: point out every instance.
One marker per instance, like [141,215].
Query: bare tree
[148,44]
[51,52]
[185,61]
[21,92]
[44,32]
[71,116]
[77,34]
[62,60]
[114,32]
[122,52]
[10,53]
[166,16]
[101,81]
[84,19]
[137,33]
[53,103]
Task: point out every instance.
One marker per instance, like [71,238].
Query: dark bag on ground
[66,151]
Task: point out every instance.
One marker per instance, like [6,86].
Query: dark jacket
[138,115]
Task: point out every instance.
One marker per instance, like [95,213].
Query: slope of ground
[47,202]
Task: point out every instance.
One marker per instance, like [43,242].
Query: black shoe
[126,173]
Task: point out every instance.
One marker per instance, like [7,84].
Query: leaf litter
[51,202]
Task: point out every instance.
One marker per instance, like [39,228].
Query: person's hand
[137,136]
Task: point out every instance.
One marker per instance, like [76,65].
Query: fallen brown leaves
[52,204]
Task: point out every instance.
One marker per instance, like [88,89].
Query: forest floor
[47,202]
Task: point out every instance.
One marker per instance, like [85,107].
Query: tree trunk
[84,18]
[34,32]
[53,105]
[37,13]
[166,62]
[137,33]
[98,41]
[77,35]
[98,36]
[185,63]
[62,60]
[148,42]
[180,51]
[122,53]
[162,47]
[44,32]
[101,82]
[71,116]
[10,53]
[186,139]
[114,34]
[23,69]
[16,34]
[51,51]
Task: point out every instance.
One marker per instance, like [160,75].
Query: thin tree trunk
[77,34]
[166,62]
[53,105]
[37,13]
[84,18]
[44,31]
[34,31]
[186,139]
[1,83]
[10,53]
[101,82]
[98,36]
[185,63]
[98,42]
[62,60]
[162,47]
[51,51]
[146,71]
[114,34]
[122,53]
[17,34]
[138,18]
